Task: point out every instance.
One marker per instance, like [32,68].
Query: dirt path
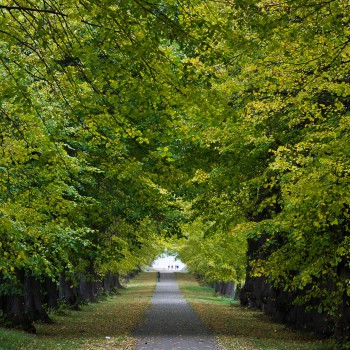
[170,323]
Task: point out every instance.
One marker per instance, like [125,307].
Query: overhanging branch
[21,8]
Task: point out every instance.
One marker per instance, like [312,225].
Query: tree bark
[88,285]
[69,293]
[32,300]
[51,294]
[342,318]
[13,305]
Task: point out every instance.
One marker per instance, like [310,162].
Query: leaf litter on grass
[237,327]
[104,325]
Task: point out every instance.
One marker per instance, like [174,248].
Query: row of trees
[87,111]
[275,155]
[214,122]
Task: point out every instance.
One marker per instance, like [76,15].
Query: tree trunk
[69,293]
[32,300]
[224,288]
[107,283]
[15,314]
[87,288]
[217,287]
[229,289]
[87,284]
[116,281]
[342,324]
[51,294]
[342,318]
[237,291]
[13,305]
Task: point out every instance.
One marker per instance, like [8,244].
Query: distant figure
[158,276]
[168,267]
[171,266]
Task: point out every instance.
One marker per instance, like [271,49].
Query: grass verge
[240,328]
[104,325]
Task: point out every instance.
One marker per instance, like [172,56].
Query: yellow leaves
[21,256]
[298,236]
[142,140]
[14,151]
[192,60]
[242,230]
[200,176]
[258,269]
[342,251]
[164,152]
[320,215]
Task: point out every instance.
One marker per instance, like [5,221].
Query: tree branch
[21,8]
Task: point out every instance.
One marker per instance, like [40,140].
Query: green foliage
[273,155]
[217,257]
[124,123]
[87,106]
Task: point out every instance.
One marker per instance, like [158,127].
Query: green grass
[205,294]
[235,327]
[240,328]
[114,318]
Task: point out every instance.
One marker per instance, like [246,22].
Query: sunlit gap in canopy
[168,262]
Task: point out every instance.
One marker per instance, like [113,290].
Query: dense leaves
[87,116]
[126,122]
[278,170]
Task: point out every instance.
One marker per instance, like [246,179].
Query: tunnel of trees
[221,127]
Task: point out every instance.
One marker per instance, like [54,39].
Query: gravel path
[170,323]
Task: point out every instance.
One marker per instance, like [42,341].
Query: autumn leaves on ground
[104,325]
[240,328]
[109,323]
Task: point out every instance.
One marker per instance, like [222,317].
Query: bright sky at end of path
[164,261]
